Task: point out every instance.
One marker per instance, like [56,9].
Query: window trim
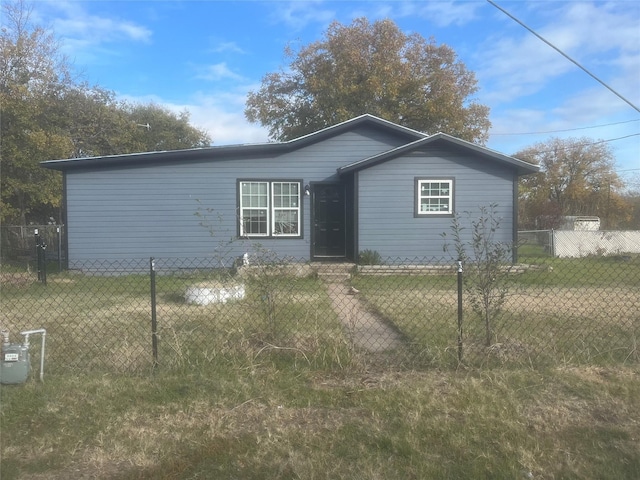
[270,208]
[418,182]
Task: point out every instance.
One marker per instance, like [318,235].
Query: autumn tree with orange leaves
[577,177]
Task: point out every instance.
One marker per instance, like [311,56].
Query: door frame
[313,221]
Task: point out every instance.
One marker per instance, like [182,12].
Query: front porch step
[333,272]
[334,277]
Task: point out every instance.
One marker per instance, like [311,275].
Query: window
[434,196]
[254,208]
[269,208]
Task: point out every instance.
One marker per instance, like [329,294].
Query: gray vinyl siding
[141,211]
[386,199]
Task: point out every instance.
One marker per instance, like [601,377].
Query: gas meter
[14,359]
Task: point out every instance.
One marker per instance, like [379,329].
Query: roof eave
[195,154]
[230,151]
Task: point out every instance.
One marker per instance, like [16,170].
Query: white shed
[580,223]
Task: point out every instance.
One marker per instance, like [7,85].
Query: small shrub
[369,257]
[487,260]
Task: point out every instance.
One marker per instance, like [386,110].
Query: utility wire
[569,129]
[596,143]
[613,139]
[569,147]
[564,55]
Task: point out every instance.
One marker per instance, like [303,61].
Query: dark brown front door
[329,235]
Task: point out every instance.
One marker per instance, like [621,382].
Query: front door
[329,218]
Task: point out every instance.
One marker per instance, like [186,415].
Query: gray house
[365,184]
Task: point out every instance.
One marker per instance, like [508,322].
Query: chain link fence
[134,316]
[18,245]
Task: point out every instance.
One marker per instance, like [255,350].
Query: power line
[612,139]
[569,147]
[569,129]
[564,55]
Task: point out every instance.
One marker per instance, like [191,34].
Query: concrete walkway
[366,330]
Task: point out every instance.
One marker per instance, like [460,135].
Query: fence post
[41,259]
[59,239]
[154,325]
[43,255]
[460,352]
[38,266]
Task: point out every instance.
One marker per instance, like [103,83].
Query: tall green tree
[99,124]
[370,68]
[577,177]
[33,76]
[46,114]
[92,119]
[158,128]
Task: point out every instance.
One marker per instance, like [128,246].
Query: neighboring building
[365,184]
[580,223]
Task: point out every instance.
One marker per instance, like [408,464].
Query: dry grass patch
[536,325]
[17,279]
[261,421]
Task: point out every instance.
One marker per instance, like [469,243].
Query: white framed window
[269,208]
[285,198]
[434,196]
[254,209]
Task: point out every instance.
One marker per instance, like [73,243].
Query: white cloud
[217,72]
[77,23]
[99,29]
[604,27]
[85,35]
[298,15]
[224,47]
[130,31]
[442,13]
[510,68]
[593,36]
[220,114]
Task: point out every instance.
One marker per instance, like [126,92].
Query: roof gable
[366,119]
[523,168]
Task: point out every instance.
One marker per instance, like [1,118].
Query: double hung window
[434,196]
[270,208]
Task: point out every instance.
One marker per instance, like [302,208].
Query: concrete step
[333,271]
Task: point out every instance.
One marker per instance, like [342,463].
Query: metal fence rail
[415,313]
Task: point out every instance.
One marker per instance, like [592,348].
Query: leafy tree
[98,124]
[370,68]
[47,115]
[90,117]
[166,130]
[32,78]
[634,219]
[576,177]
[632,197]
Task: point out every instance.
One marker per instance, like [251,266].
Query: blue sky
[204,56]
